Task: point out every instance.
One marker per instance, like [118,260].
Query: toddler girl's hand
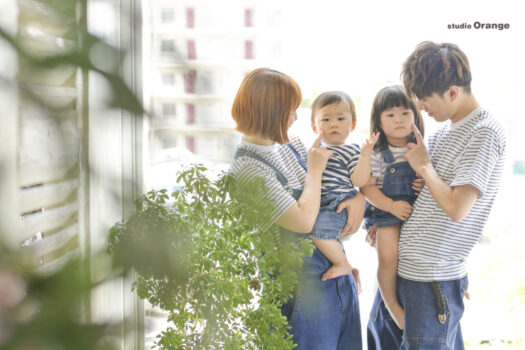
[401,210]
[369,144]
[418,184]
[318,156]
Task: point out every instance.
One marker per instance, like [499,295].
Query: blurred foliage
[84,50]
[42,310]
[209,259]
[45,310]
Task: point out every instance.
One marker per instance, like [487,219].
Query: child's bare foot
[336,270]
[398,315]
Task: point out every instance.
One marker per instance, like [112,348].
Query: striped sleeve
[376,164]
[354,152]
[274,195]
[478,159]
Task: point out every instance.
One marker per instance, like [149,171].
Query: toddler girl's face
[337,122]
[396,123]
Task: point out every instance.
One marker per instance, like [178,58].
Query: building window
[248,18]
[248,49]
[168,79]
[192,54]
[169,109]
[167,46]
[190,143]
[205,82]
[190,18]
[189,81]
[167,15]
[190,114]
[169,141]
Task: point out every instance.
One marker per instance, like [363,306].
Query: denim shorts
[329,224]
[423,328]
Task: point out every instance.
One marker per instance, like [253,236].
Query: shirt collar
[454,126]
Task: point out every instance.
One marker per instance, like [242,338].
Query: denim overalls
[322,315]
[397,185]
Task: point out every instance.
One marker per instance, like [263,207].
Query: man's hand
[371,236]
[417,154]
[418,184]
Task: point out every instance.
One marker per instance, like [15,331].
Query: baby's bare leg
[387,244]
[333,250]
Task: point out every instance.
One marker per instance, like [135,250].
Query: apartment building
[195,56]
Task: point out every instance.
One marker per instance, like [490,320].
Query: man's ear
[314,128]
[354,122]
[453,92]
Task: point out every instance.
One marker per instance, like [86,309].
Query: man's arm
[457,201]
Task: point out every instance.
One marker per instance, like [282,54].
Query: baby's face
[336,121]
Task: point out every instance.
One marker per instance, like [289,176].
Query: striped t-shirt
[378,164]
[336,176]
[432,247]
[246,168]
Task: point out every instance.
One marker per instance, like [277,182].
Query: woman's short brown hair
[264,102]
[433,68]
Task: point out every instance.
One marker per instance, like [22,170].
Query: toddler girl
[393,186]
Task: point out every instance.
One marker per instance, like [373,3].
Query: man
[462,170]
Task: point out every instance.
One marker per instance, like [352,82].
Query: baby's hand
[369,144]
[401,210]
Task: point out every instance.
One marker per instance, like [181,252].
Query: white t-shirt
[432,247]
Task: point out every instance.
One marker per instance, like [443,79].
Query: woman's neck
[258,140]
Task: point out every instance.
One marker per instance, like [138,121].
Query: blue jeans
[329,224]
[324,315]
[423,330]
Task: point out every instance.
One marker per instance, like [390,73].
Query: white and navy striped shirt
[336,177]
[432,247]
[246,168]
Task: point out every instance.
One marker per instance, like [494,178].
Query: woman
[323,315]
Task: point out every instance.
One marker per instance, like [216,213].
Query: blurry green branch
[208,259]
[43,310]
[85,51]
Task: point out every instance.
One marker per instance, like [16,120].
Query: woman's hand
[355,208]
[318,156]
